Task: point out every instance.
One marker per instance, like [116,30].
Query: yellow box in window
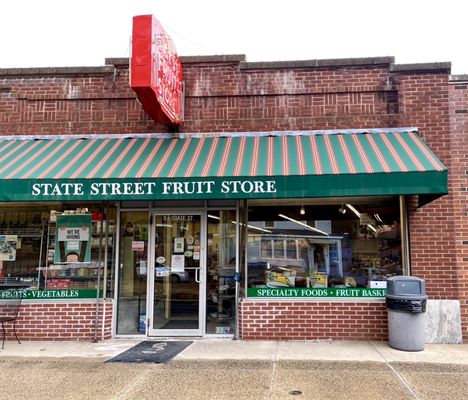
[280,279]
[319,279]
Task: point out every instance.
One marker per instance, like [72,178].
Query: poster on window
[8,245]
[73,239]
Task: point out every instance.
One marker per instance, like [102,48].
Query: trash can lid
[406,286]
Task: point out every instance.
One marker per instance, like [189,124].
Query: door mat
[151,352]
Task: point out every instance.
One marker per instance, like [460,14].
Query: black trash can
[406,306]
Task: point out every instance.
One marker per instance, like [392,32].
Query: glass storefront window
[221,267]
[57,247]
[333,245]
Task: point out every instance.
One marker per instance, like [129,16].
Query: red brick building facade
[228,94]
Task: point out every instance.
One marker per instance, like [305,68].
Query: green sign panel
[315,292]
[50,294]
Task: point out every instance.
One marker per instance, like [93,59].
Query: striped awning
[282,165]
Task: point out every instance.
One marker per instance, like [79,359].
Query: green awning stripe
[37,155]
[315,167]
[181,161]
[376,150]
[59,158]
[22,156]
[206,166]
[149,158]
[240,156]
[167,154]
[420,147]
[85,162]
[117,165]
[225,155]
[347,155]
[137,155]
[366,164]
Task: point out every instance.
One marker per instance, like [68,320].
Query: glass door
[177,274]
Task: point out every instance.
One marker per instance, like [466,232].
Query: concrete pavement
[217,349]
[225,369]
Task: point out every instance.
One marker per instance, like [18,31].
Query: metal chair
[9,309]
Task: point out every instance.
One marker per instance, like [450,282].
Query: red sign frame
[156,71]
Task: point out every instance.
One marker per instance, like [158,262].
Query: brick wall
[459,140]
[227,94]
[313,320]
[61,321]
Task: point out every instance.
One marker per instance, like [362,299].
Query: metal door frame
[202,277]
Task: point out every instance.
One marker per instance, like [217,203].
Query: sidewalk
[216,349]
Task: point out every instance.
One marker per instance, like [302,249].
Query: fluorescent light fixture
[302,224]
[213,216]
[248,226]
[371,228]
[164,225]
[377,217]
[358,214]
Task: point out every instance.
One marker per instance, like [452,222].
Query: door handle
[197,275]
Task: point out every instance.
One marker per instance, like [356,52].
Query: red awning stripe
[195,157]
[409,152]
[22,156]
[378,153]
[211,154]
[135,158]
[363,155]
[316,155]
[300,155]
[349,160]
[77,158]
[59,160]
[284,146]
[104,159]
[122,155]
[180,157]
[44,160]
[394,153]
[417,141]
[240,156]
[224,159]
[270,157]
[166,156]
[331,155]
[86,161]
[254,165]
[149,159]
[7,144]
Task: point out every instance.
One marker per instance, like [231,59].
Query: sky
[51,33]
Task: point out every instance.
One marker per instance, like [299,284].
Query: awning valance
[276,165]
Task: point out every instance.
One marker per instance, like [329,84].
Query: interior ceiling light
[342,210]
[358,214]
[302,210]
[371,228]
[302,224]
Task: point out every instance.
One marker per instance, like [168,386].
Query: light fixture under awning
[251,165]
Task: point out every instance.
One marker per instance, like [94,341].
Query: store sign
[73,239]
[8,247]
[156,71]
[315,292]
[153,190]
[50,294]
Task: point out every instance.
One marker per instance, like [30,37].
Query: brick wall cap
[422,67]
[338,62]
[225,58]
[14,72]
[116,61]
[458,78]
